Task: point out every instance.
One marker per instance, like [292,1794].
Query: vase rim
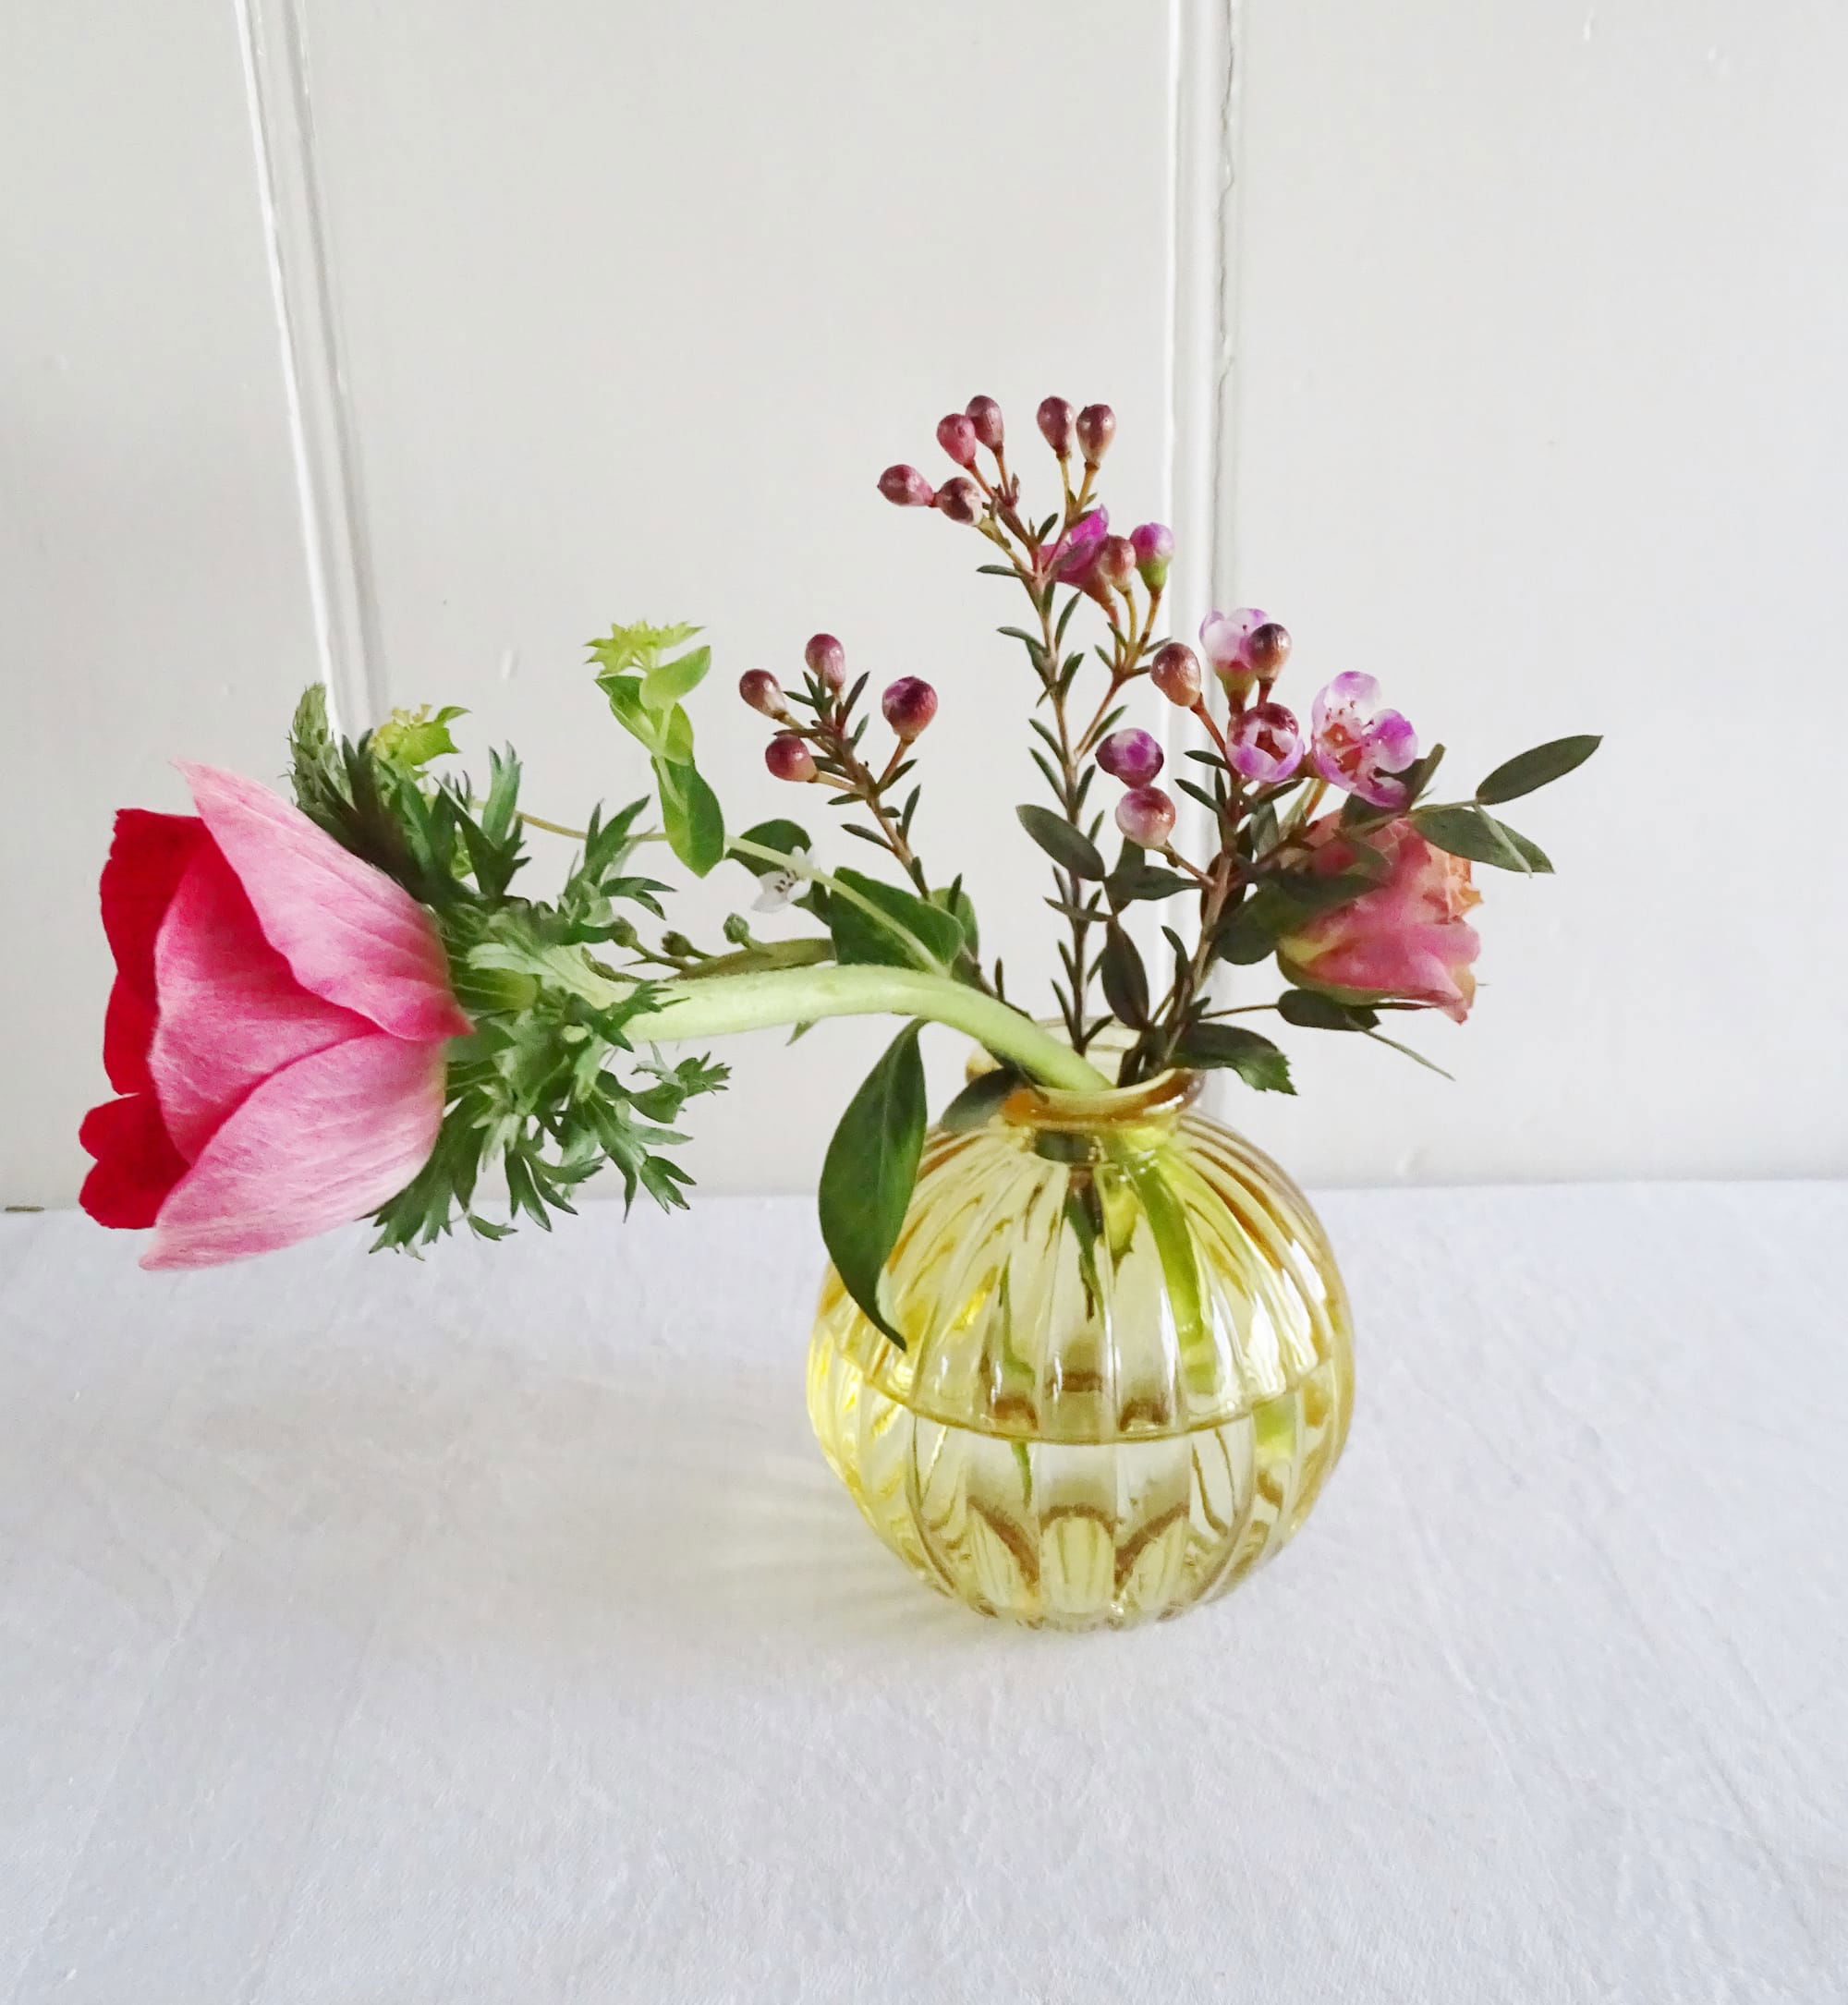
[1164,1097]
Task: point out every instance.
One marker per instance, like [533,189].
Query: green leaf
[1255,928]
[1309,1010]
[1536,858]
[410,739]
[909,932]
[1467,830]
[648,728]
[978,1101]
[783,836]
[871,1167]
[1254,1058]
[664,687]
[690,816]
[1067,846]
[638,647]
[1417,776]
[957,902]
[1132,878]
[1538,768]
[1124,979]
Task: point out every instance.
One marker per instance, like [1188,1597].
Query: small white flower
[776,887]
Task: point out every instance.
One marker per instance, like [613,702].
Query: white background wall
[1497,349]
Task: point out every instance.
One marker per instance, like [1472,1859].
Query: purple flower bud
[788,758]
[1154,547]
[1131,755]
[1116,561]
[957,434]
[1097,428]
[909,704]
[1266,744]
[762,691]
[1266,650]
[1175,671]
[984,413]
[827,659]
[961,500]
[1226,639]
[905,487]
[1146,816]
[1054,420]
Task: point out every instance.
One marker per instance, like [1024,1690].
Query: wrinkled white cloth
[488,1628]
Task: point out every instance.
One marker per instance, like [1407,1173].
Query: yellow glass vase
[1127,1370]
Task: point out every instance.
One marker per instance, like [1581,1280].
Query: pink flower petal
[346,930]
[1391,741]
[1350,697]
[230,1009]
[317,1145]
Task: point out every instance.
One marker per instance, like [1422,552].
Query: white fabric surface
[489,1629]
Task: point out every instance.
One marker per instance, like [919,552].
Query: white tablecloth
[489,1629]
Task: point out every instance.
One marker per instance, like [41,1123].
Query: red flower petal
[317,1145]
[231,1013]
[348,931]
[137,1163]
[147,860]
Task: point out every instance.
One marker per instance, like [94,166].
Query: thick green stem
[721,1005]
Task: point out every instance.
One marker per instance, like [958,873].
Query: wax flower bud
[905,487]
[1146,817]
[909,704]
[1131,755]
[957,434]
[1226,639]
[961,501]
[984,413]
[788,758]
[1154,544]
[1266,650]
[1054,420]
[827,659]
[1116,561]
[1265,744]
[762,691]
[1097,428]
[1175,671]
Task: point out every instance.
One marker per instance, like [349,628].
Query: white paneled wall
[1495,349]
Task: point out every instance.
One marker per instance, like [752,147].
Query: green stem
[721,1005]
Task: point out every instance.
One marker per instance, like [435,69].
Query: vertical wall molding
[335,543]
[1205,79]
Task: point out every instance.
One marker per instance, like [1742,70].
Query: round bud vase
[1127,1369]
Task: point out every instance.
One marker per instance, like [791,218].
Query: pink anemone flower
[276,1031]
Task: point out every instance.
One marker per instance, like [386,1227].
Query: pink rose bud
[1409,938]
[1116,561]
[1154,544]
[1132,757]
[905,487]
[1054,420]
[1266,744]
[1097,428]
[961,501]
[1266,650]
[984,413]
[1146,817]
[788,758]
[762,691]
[957,436]
[909,704]
[827,659]
[1175,671]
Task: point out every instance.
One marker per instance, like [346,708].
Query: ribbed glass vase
[1127,1370]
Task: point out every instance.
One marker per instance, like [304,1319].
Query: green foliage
[1538,767]
[869,1173]
[1067,846]
[1125,979]
[902,930]
[1468,830]
[411,739]
[979,1102]
[645,692]
[690,815]
[1254,1058]
[535,1090]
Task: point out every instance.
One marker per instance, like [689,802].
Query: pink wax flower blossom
[277,1030]
[1074,559]
[1265,744]
[1407,939]
[1226,640]
[1356,745]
